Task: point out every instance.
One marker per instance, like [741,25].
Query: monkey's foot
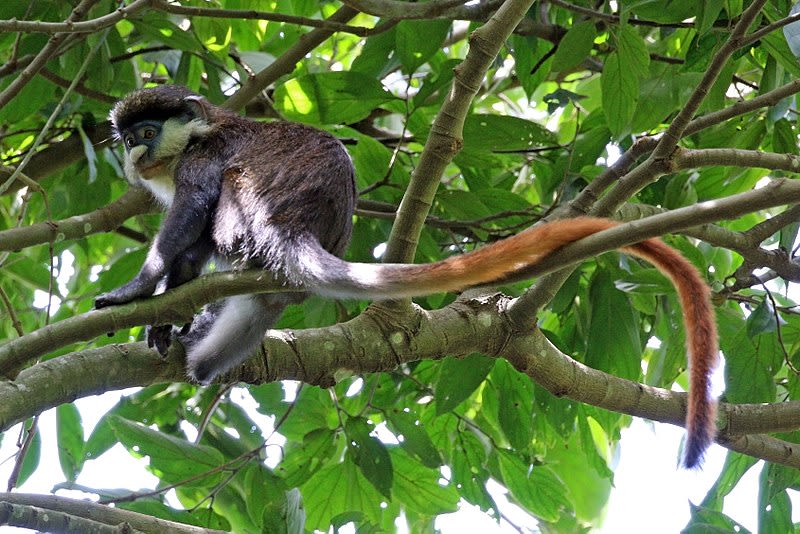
[160,337]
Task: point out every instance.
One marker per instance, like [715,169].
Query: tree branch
[98,513]
[286,62]
[44,55]
[72,25]
[135,201]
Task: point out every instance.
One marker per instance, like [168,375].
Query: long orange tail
[326,274]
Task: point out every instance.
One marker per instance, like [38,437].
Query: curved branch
[685,158]
[74,26]
[135,201]
[173,307]
[330,25]
[766,448]
[286,62]
[379,340]
[101,514]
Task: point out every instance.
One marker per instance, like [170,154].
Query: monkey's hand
[160,337]
[137,288]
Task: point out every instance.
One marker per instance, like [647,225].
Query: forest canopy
[466,122]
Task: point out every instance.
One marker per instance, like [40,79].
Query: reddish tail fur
[508,257]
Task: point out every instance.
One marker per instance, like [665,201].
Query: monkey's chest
[162,187]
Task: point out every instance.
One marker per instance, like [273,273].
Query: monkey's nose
[137,152]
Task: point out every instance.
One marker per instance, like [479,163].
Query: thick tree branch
[99,514]
[178,305]
[380,341]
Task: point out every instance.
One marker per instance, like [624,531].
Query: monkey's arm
[174,246]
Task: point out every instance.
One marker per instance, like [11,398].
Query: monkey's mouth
[152,170]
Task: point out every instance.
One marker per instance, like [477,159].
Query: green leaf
[88,151]
[503,133]
[709,11]
[301,461]
[70,440]
[378,56]
[266,499]
[122,270]
[750,363]
[32,457]
[206,519]
[575,46]
[330,97]
[784,139]
[171,459]
[458,378]
[339,488]
[515,395]
[414,438]
[613,343]
[632,50]
[535,488]
[645,281]
[774,506]
[763,319]
[417,40]
[418,487]
[370,455]
[706,521]
[31,100]
[620,92]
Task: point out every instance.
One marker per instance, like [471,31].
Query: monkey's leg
[185,224]
[187,266]
[230,331]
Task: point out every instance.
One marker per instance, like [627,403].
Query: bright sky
[650,490]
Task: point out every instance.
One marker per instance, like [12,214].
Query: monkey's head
[156,125]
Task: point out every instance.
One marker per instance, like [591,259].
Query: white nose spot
[137,152]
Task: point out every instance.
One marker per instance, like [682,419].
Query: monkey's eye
[130,140]
[149,133]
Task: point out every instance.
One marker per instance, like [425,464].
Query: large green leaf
[418,488]
[417,40]
[536,488]
[336,489]
[330,97]
[515,392]
[503,133]
[370,455]
[574,46]
[70,440]
[414,437]
[172,459]
[458,378]
[613,343]
[620,92]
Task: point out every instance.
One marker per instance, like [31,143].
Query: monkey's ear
[198,105]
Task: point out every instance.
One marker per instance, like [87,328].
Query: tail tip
[695,450]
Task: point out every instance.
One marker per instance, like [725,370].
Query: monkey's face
[153,146]
[141,144]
